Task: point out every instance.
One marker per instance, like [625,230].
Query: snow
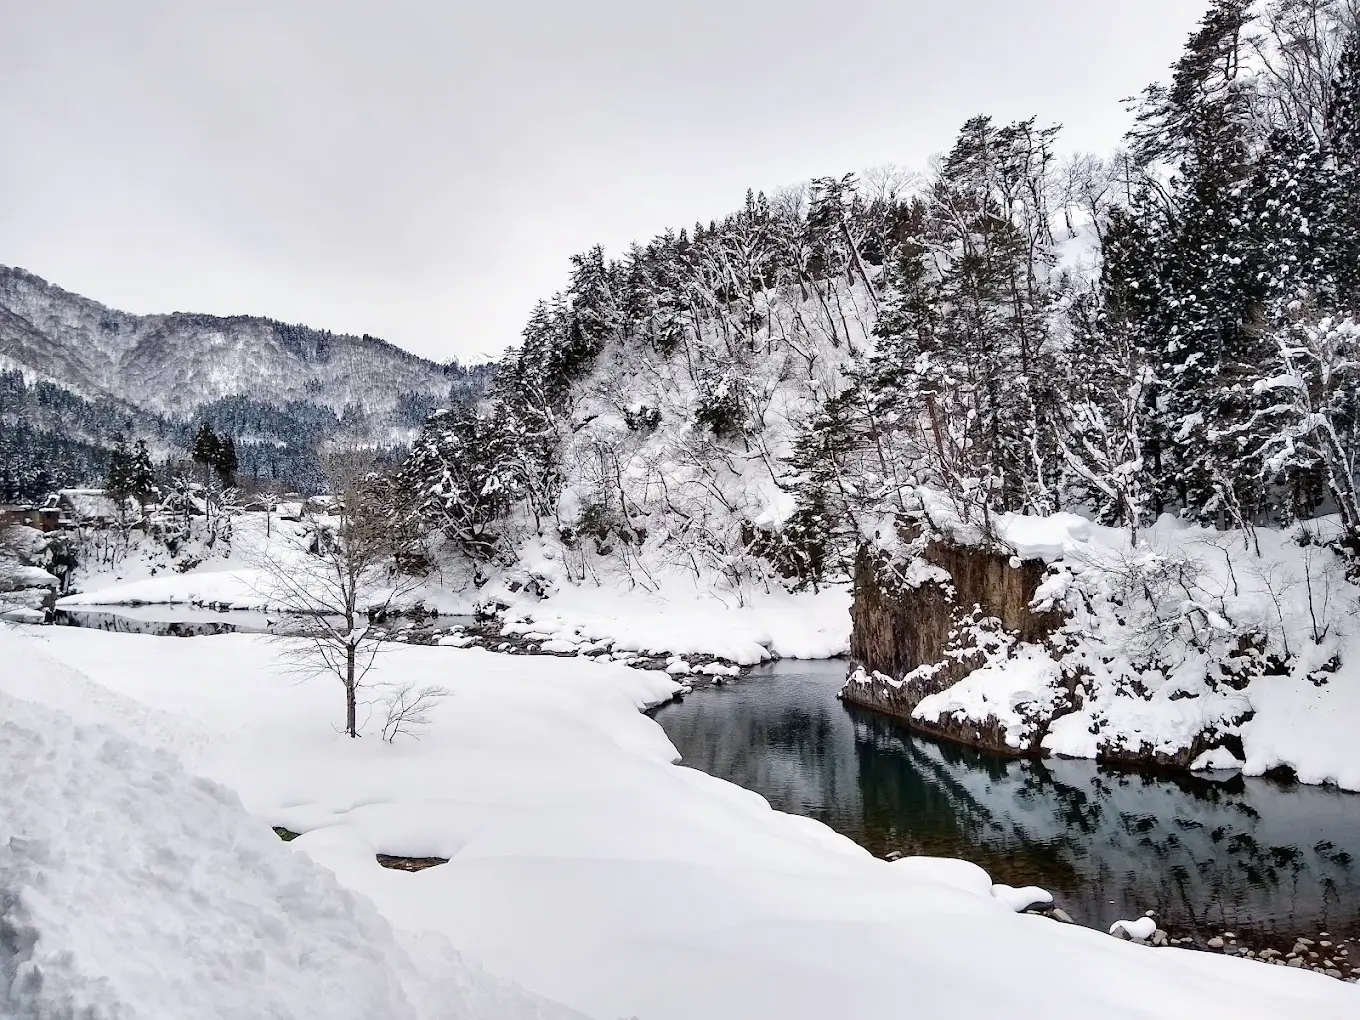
[1022,898]
[1141,929]
[683,618]
[227,575]
[678,616]
[20,614]
[18,576]
[1219,759]
[89,504]
[1005,689]
[132,888]
[583,863]
[1045,538]
[1030,537]
[1308,728]
[224,588]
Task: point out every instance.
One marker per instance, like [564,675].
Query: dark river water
[1250,856]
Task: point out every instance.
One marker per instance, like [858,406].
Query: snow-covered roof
[88,504]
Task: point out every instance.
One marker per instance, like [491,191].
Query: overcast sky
[422,170]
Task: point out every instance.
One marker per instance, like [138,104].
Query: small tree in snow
[407,707]
[268,497]
[343,583]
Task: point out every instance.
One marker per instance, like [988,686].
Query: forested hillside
[1165,329]
[75,374]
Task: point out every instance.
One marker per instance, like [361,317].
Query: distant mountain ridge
[173,363]
[75,373]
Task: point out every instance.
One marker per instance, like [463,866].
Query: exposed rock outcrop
[917,635]
[968,643]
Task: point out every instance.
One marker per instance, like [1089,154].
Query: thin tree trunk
[349,692]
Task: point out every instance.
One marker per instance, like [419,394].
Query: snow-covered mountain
[75,374]
[172,364]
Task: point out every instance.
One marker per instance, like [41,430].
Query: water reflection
[1250,856]
[189,621]
[164,621]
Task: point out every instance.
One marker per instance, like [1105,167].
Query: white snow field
[130,888]
[584,864]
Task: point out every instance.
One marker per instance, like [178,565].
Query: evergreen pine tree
[120,481]
[832,489]
[1204,313]
[206,450]
[460,481]
[142,475]
[226,463]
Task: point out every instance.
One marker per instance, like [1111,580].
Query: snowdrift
[129,888]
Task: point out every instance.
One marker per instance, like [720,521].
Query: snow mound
[678,617]
[1142,929]
[1023,898]
[129,888]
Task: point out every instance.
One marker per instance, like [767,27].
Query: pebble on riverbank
[1335,964]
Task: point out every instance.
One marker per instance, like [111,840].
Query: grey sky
[423,170]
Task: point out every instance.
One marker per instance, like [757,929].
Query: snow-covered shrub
[407,707]
[720,409]
[641,418]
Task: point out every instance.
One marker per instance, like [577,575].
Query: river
[1265,860]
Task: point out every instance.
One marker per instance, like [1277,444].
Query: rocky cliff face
[951,641]
[918,635]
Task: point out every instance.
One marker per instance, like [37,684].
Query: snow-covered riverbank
[584,864]
[674,615]
[1136,694]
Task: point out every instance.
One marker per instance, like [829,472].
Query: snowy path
[587,867]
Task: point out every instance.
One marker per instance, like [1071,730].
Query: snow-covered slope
[652,487]
[129,888]
[173,363]
[583,864]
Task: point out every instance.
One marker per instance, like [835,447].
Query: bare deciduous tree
[345,581]
[269,498]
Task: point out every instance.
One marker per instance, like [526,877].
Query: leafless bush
[407,707]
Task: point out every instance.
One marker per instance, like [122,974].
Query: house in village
[85,508]
[43,518]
